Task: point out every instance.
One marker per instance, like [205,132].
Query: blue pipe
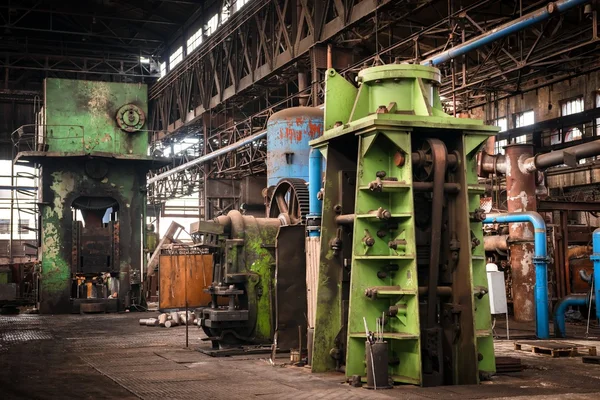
[560,329]
[596,259]
[502,31]
[315,172]
[540,260]
[561,308]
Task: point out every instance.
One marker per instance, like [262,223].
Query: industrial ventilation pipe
[540,260]
[502,31]
[520,165]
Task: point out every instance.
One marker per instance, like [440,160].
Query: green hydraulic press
[401,233]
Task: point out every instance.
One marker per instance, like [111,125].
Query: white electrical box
[496,289]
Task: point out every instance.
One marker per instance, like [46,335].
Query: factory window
[23,225]
[176,58]
[225,12]
[502,123]
[523,119]
[4,226]
[163,69]
[212,25]
[572,106]
[194,41]
[240,3]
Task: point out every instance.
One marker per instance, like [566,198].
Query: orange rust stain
[315,130]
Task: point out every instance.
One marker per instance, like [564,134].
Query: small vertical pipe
[315,173]
[596,259]
[329,56]
[302,85]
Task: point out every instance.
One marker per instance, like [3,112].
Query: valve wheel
[289,201]
[130,118]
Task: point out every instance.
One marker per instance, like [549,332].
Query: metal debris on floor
[170,320]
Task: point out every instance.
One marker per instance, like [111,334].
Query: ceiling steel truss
[249,68]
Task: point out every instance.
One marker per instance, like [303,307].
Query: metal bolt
[368,240]
[382,110]
[399,159]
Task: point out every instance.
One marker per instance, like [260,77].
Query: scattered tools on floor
[170,320]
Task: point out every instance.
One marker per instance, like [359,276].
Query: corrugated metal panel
[313,255]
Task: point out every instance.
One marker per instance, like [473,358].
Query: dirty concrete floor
[111,356]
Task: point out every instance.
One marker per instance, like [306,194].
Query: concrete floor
[111,356]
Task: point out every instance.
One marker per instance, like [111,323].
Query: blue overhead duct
[502,31]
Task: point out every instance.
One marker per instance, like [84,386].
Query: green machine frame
[91,146]
[401,233]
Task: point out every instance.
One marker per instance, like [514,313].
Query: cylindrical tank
[288,134]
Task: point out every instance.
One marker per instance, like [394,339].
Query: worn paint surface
[288,134]
[412,103]
[80,116]
[521,197]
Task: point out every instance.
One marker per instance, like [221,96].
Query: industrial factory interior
[299,199]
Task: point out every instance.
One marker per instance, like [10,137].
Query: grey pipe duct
[496,163]
[569,156]
[495,243]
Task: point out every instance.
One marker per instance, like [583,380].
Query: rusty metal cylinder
[520,196]
[377,361]
[495,243]
[288,134]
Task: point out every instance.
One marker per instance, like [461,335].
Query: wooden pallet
[555,348]
[590,359]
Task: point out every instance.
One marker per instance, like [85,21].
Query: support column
[520,197]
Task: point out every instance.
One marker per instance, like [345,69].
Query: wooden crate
[555,348]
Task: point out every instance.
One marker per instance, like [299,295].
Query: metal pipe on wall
[581,300]
[502,31]
[596,259]
[572,300]
[540,260]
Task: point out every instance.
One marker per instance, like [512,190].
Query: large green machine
[401,233]
[92,150]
